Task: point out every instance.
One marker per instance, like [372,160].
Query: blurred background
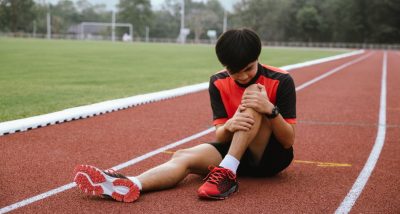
[337,23]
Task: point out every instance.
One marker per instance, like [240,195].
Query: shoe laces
[217,174]
[113,173]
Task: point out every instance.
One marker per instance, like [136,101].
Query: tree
[308,21]
[267,17]
[17,15]
[63,15]
[40,12]
[353,23]
[200,18]
[92,13]
[366,21]
[216,7]
[384,28]
[165,25]
[136,12]
[166,20]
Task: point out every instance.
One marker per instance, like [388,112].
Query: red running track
[337,124]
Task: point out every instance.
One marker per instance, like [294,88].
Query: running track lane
[275,186]
[383,186]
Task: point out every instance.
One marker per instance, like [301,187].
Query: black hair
[237,48]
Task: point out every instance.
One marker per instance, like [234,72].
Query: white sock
[230,162]
[136,181]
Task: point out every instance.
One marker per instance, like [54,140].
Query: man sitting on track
[254,110]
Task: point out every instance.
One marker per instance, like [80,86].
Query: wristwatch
[274,113]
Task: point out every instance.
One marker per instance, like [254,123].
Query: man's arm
[283,131]
[241,121]
[222,134]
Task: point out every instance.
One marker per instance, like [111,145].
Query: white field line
[81,112]
[135,160]
[369,166]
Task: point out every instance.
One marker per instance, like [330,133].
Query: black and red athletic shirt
[226,93]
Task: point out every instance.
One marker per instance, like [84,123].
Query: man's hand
[257,100]
[241,121]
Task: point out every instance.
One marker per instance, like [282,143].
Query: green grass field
[41,76]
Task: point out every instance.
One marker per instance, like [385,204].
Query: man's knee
[181,154]
[252,87]
[197,158]
[185,156]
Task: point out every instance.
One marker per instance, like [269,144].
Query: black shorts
[274,160]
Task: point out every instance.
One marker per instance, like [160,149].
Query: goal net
[104,31]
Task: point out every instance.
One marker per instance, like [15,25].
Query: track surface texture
[336,131]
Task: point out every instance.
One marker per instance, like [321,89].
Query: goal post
[104,24]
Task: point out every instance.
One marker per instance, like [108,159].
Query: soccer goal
[88,29]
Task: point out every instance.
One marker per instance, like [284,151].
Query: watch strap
[274,113]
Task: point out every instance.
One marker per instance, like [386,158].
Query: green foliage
[360,21]
[308,21]
[386,13]
[91,13]
[199,18]
[264,16]
[42,76]
[321,20]
[136,12]
[64,14]
[202,17]
[16,15]
[165,25]
[166,21]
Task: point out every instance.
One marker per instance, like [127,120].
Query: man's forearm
[283,131]
[222,134]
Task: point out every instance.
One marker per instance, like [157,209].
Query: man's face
[245,75]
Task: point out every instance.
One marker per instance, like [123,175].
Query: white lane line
[118,167]
[162,149]
[319,61]
[332,72]
[148,155]
[91,110]
[37,198]
[369,166]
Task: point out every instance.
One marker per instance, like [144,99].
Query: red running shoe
[107,183]
[220,183]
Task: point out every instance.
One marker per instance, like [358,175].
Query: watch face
[275,111]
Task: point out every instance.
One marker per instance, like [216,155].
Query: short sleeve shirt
[226,93]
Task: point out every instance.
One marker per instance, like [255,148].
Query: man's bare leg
[222,180]
[256,139]
[193,160]
[94,181]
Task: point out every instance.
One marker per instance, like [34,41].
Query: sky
[228,4]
